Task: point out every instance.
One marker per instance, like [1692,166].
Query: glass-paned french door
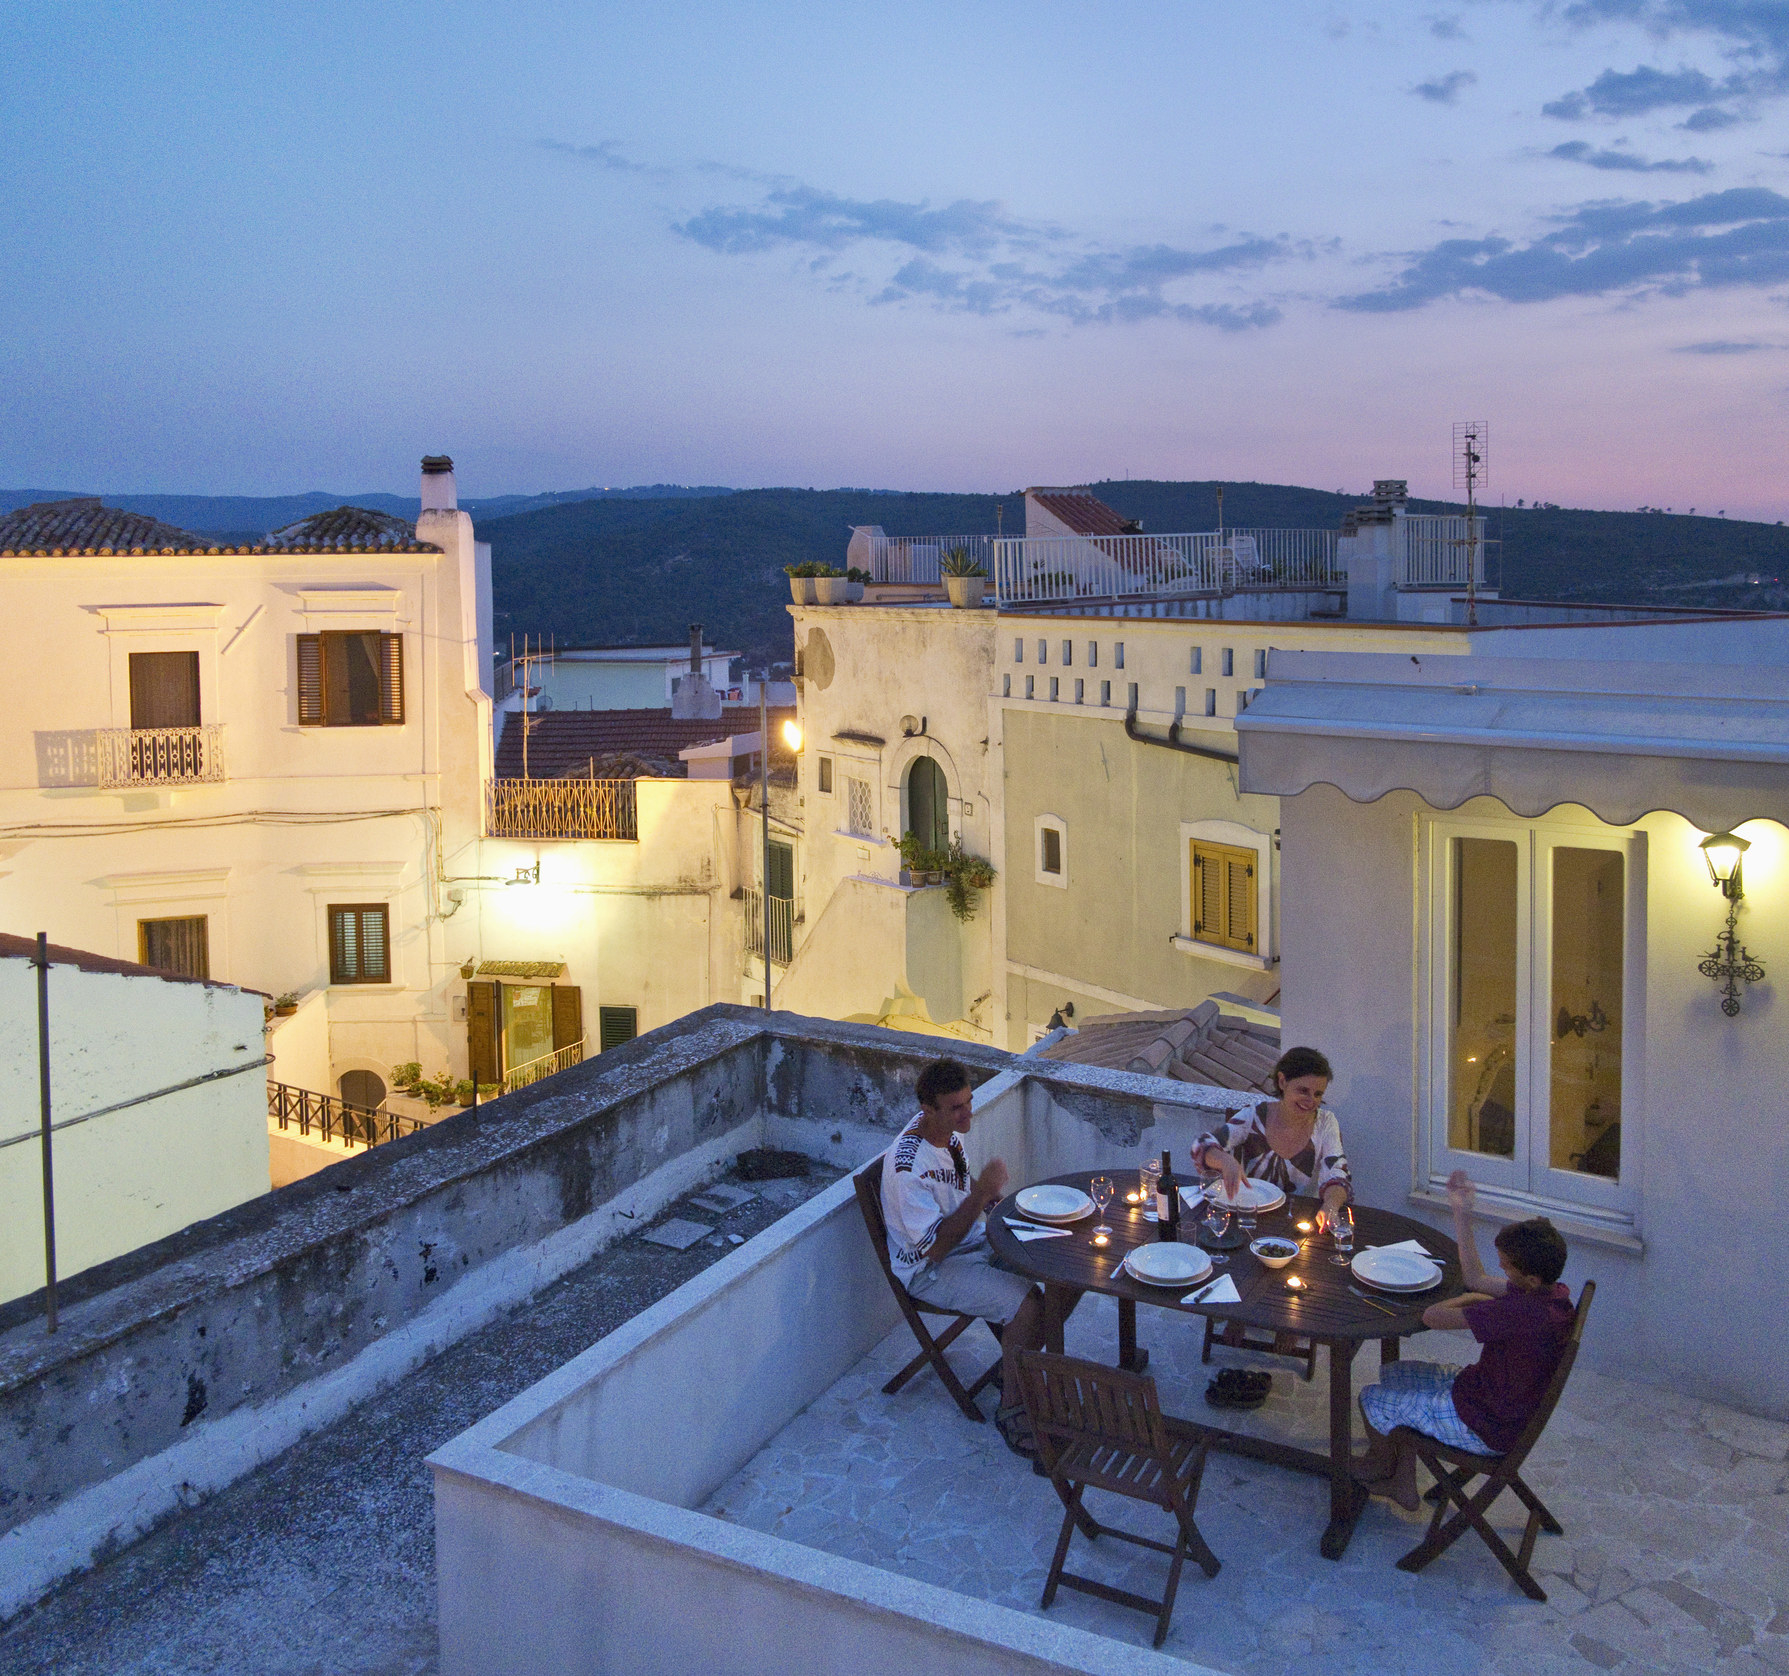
[1534,962]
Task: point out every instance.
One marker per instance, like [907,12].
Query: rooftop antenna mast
[523,668]
[1472,456]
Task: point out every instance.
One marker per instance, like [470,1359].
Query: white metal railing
[568,808]
[782,927]
[902,558]
[1436,548]
[1041,568]
[161,756]
[548,1065]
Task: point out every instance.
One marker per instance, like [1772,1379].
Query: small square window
[1051,859]
[1105,692]
[615,1025]
[824,769]
[1050,852]
[1211,701]
[1180,701]
[1131,695]
[1242,699]
[1006,686]
[1229,660]
[1043,651]
[175,945]
[1093,654]
[1055,689]
[1068,654]
[1260,665]
[1019,649]
[1031,686]
[1197,666]
[360,943]
[1080,692]
[1118,655]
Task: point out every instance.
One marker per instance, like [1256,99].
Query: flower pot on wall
[801,589]
[831,590]
[853,592]
[965,591]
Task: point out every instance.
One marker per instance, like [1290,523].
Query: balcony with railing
[548,1065]
[903,558]
[1214,564]
[568,808]
[160,756]
[782,927]
[1441,550]
[324,1118]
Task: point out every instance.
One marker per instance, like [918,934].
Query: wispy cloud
[607,155]
[972,257]
[1721,239]
[1634,93]
[1581,151]
[1446,29]
[1445,90]
[1725,346]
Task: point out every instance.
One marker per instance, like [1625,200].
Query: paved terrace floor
[1675,1556]
[322,1563]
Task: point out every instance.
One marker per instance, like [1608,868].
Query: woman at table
[1293,1142]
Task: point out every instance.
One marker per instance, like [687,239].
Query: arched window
[928,807]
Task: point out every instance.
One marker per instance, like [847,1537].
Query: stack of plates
[1059,1205]
[1255,1197]
[1165,1263]
[1396,1271]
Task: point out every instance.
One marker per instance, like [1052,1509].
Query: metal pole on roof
[764,809]
[42,963]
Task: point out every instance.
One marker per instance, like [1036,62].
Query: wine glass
[1341,1230]
[1101,1188]
[1217,1225]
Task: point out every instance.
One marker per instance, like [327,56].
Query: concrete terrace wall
[220,1346]
[564,1522]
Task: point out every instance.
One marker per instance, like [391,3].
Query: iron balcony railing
[324,1117]
[1036,569]
[567,808]
[548,1065]
[161,756]
[782,927]
[903,558]
[1440,550]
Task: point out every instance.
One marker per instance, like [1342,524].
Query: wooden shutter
[360,943]
[617,1025]
[176,945]
[481,1032]
[782,871]
[164,689]
[391,679]
[1224,896]
[310,681]
[568,1015]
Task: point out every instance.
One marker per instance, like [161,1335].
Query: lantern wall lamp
[1729,964]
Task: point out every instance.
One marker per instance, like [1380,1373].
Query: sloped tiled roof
[14,947]
[566,741]
[1081,511]
[348,527]
[86,526]
[1197,1044]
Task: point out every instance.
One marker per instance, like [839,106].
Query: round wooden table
[1332,1308]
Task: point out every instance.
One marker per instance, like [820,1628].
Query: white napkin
[1417,1246]
[1223,1293]
[1039,1233]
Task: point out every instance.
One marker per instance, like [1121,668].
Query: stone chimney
[438,492]
[696,699]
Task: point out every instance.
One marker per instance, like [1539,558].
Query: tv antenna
[1472,455]
[525,673]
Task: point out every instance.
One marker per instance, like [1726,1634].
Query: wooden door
[568,1015]
[482,1056]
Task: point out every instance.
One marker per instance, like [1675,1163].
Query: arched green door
[928,812]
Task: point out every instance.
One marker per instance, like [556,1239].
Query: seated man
[1521,1318]
[937,1238]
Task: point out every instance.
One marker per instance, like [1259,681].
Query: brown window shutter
[1239,878]
[310,681]
[568,1015]
[1224,896]
[164,689]
[391,679]
[375,944]
[343,946]
[481,1031]
[1208,895]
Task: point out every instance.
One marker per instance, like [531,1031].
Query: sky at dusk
[251,249]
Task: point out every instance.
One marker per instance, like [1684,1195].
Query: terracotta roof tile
[85,524]
[348,527]
[564,742]
[1081,511]
[1196,1044]
[13,947]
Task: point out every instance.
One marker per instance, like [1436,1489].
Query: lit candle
[1133,1197]
[1303,1227]
[1101,1239]
[1294,1284]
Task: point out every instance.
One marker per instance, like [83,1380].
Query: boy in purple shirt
[1521,1317]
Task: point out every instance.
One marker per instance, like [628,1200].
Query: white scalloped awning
[1709,742]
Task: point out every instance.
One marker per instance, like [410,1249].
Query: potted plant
[284,1006]
[801,582]
[830,585]
[855,580]
[964,579]
[960,874]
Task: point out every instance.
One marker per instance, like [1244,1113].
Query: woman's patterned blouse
[1308,1171]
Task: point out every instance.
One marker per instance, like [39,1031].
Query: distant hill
[643,570]
[257,514]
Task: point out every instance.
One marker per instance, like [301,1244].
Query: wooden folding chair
[1101,1428]
[868,1183]
[1454,1470]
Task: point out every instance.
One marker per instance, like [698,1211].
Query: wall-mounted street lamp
[526,876]
[1729,963]
[792,735]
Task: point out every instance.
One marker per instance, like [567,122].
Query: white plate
[1167,1264]
[1396,1271]
[1054,1204]
[1255,1196]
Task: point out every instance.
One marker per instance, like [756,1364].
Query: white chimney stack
[438,492]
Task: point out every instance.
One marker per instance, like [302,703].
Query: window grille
[859,813]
